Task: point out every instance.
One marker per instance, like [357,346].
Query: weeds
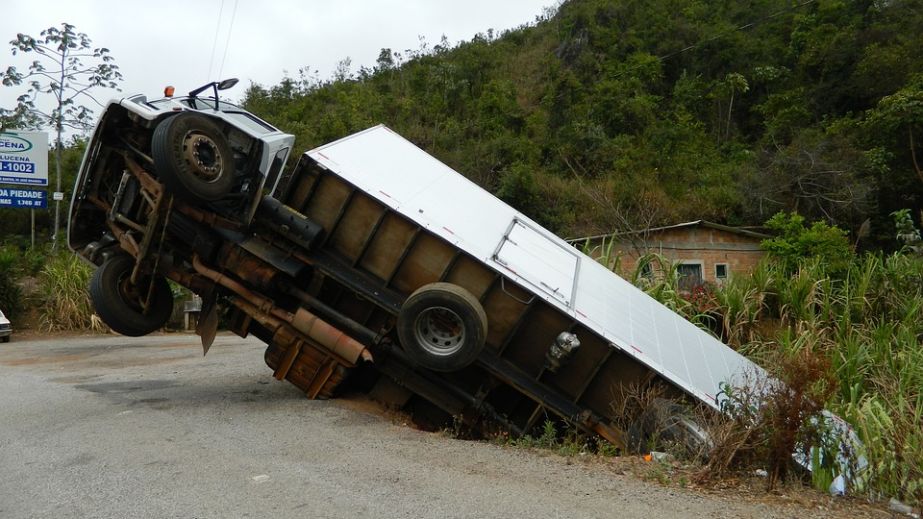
[569,442]
[764,421]
[856,339]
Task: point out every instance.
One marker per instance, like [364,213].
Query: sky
[188,43]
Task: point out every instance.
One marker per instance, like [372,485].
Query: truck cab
[157,177]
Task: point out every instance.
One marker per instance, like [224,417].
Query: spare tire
[442,327]
[193,158]
[120,303]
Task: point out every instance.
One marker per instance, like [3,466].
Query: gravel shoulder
[109,426]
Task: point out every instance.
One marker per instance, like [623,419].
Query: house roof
[743,231]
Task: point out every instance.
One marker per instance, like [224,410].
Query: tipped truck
[371,261]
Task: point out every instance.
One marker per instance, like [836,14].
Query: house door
[690,276]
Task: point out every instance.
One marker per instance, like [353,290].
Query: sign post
[24,162]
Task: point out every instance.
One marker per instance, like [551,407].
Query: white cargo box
[405,178]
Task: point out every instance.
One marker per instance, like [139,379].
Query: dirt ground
[107,426]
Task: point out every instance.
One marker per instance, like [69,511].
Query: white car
[6,329]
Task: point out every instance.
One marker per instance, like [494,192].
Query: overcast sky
[175,42]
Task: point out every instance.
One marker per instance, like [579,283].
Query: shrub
[10,296]
[854,337]
[907,233]
[796,241]
[765,421]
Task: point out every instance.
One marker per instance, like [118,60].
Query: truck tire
[120,304]
[442,327]
[193,158]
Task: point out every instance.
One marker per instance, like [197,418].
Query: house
[703,251]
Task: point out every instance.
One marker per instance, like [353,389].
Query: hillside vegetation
[608,114]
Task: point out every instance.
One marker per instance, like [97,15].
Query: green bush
[796,241]
[907,232]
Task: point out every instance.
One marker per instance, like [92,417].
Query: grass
[850,339]
[63,290]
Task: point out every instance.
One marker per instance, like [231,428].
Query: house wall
[690,244]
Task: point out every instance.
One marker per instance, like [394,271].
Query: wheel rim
[203,155]
[129,294]
[440,331]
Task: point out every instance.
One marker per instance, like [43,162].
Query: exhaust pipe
[315,328]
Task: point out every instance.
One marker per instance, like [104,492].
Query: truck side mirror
[227,83]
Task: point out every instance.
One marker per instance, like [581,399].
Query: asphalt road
[107,426]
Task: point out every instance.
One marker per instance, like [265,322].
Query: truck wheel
[442,327]
[120,303]
[193,158]
[667,422]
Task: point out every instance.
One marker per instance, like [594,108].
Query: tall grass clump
[843,331]
[864,320]
[66,304]
[742,304]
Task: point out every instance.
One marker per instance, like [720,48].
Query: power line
[211,61]
[227,42]
[722,34]
[742,27]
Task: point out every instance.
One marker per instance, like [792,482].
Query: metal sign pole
[32,211]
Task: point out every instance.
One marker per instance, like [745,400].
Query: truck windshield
[241,117]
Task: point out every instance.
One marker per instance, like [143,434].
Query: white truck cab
[158,177]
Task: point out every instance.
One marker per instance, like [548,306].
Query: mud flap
[207,326]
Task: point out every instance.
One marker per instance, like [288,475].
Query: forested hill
[624,113]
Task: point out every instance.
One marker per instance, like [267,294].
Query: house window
[690,275]
[647,270]
[721,272]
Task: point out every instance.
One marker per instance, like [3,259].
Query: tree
[903,111]
[817,174]
[19,117]
[59,70]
